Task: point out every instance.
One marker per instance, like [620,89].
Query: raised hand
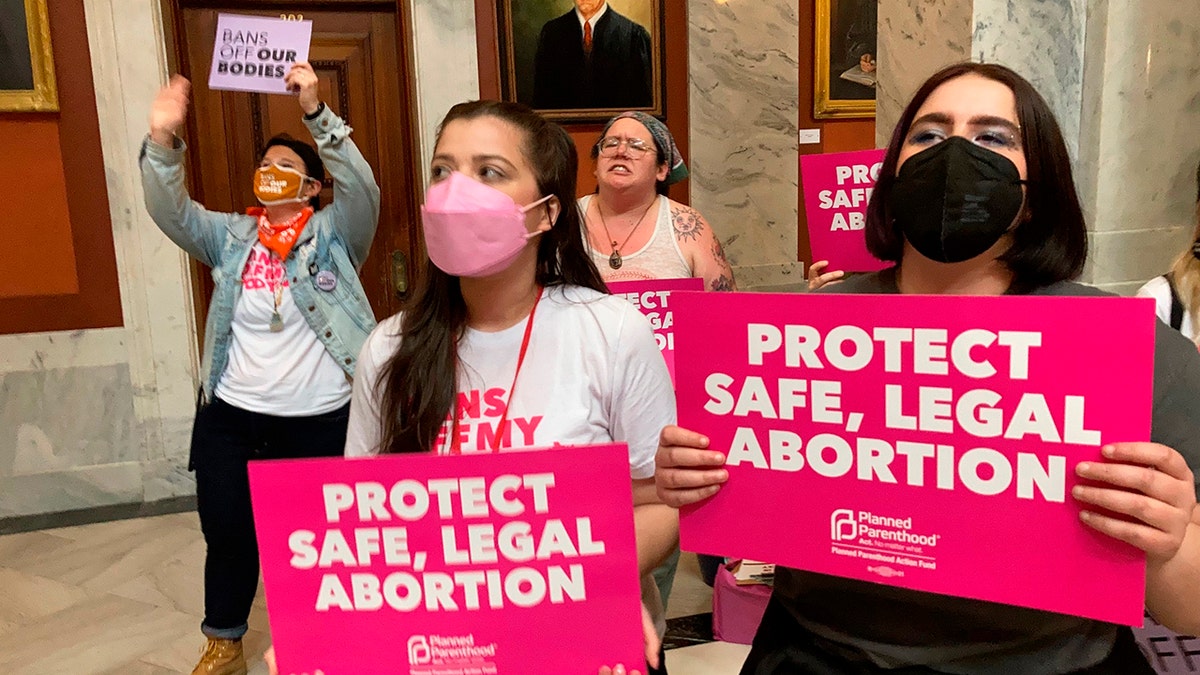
[169,111]
[816,279]
[303,80]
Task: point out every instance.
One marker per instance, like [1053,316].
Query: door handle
[399,273]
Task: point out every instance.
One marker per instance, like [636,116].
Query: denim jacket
[336,239]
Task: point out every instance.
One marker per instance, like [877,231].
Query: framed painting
[26,60]
[582,60]
[845,59]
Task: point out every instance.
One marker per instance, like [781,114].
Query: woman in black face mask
[975,197]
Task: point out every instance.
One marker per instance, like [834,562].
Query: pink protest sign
[254,53]
[653,298]
[837,188]
[426,565]
[919,441]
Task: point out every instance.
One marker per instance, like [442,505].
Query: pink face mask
[471,229]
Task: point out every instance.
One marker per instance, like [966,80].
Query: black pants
[224,440]
[783,647]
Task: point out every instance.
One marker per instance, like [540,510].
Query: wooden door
[358,53]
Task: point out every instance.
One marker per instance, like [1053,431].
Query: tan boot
[221,657]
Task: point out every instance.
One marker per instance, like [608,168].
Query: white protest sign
[254,53]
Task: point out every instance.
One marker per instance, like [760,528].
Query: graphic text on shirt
[479,414]
[263,271]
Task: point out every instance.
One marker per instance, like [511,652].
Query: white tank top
[660,258]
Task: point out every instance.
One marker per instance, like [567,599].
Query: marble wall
[445,48]
[97,417]
[743,88]
[916,39]
[1121,78]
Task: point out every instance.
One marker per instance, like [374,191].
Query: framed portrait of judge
[26,60]
[582,60]
[845,59]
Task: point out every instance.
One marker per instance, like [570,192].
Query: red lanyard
[455,442]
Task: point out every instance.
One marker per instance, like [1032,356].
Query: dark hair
[313,166]
[420,380]
[660,186]
[1050,242]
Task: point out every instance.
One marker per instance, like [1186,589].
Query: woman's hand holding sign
[302,79]
[1149,483]
[1151,494]
[686,470]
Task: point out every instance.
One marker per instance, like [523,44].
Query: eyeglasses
[636,147]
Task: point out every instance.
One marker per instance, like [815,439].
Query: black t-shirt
[894,627]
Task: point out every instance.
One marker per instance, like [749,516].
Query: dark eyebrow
[493,158]
[994,121]
[933,118]
[978,121]
[477,158]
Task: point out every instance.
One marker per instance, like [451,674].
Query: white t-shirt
[289,373]
[1160,289]
[592,374]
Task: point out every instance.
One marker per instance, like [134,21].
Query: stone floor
[125,597]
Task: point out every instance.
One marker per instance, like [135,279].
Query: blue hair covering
[662,138]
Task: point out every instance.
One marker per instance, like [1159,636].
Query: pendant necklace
[276,319]
[614,260]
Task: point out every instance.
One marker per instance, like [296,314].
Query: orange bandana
[282,237]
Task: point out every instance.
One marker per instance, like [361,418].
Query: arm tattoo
[686,222]
[718,252]
[722,283]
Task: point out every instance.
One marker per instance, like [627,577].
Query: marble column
[1120,76]
[1139,146]
[448,65]
[743,90]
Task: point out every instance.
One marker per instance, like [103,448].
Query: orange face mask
[274,185]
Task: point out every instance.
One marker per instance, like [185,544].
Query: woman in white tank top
[634,231]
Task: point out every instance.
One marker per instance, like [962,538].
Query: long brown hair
[1051,244]
[419,381]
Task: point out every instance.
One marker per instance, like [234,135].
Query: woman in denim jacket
[287,319]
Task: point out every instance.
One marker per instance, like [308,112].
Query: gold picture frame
[31,85]
[541,61]
[844,38]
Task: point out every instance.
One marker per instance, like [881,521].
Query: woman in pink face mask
[511,313]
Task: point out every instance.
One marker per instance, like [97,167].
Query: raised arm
[355,209]
[193,228]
